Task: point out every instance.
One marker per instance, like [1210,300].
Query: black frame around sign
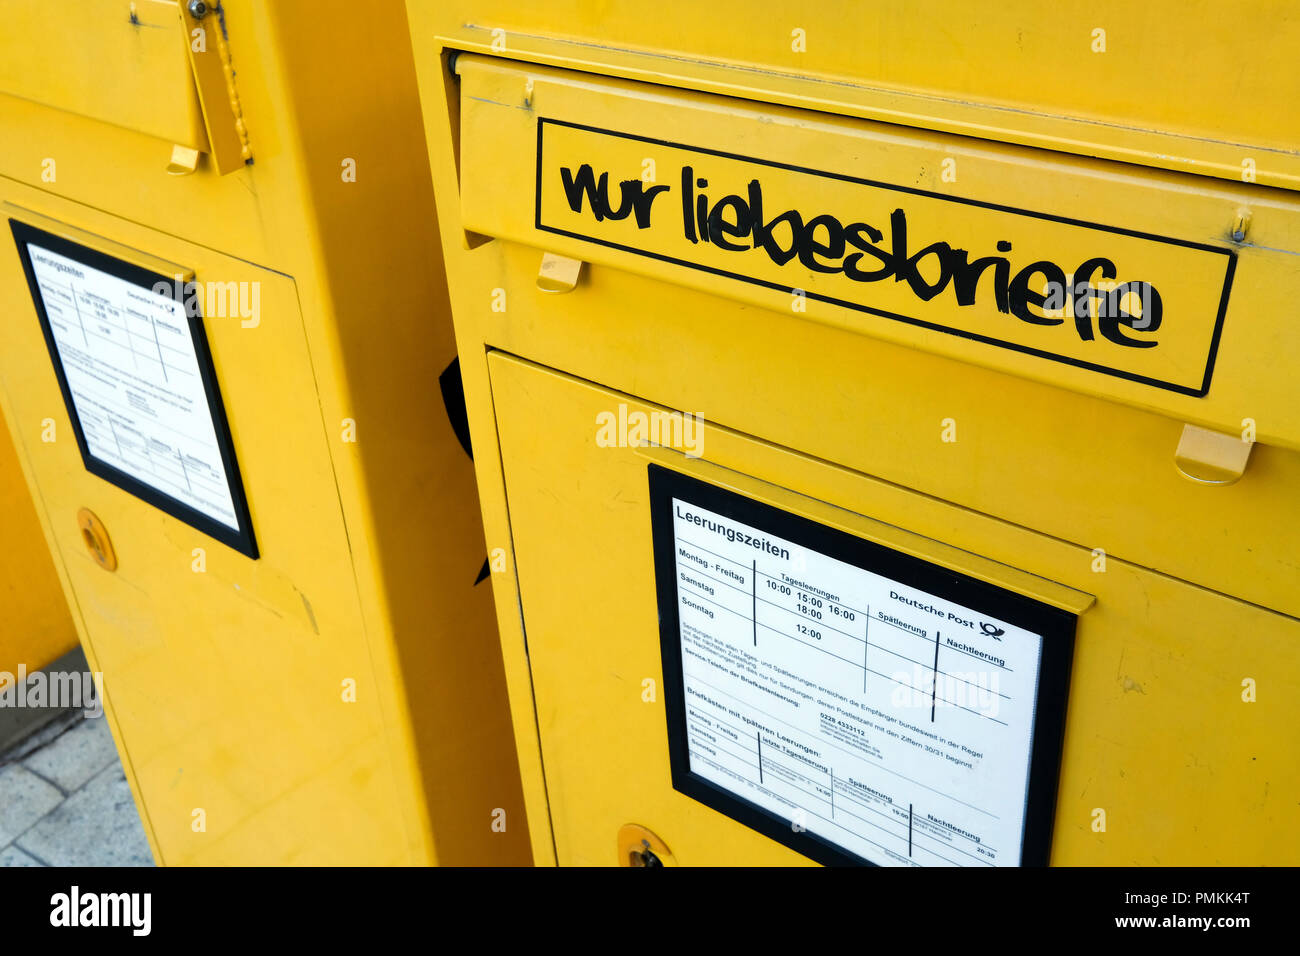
[1056,626]
[242,539]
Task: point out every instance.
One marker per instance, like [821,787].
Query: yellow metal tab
[1162,87]
[558,273]
[184,161]
[1211,458]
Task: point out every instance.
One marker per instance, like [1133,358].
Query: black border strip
[1056,626]
[241,540]
[1194,391]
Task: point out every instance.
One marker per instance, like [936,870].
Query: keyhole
[95,536]
[644,856]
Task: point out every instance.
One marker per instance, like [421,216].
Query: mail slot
[220,360]
[892,463]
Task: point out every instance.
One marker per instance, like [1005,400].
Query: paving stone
[77,755]
[96,826]
[12,856]
[24,799]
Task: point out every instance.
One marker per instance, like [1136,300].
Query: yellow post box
[225,325]
[886,416]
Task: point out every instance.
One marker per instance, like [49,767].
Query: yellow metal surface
[114,61]
[1014,440]
[1167,231]
[339,699]
[1186,86]
[37,627]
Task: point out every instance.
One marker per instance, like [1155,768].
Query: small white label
[130,364]
[891,722]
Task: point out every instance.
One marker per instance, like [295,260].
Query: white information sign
[134,378]
[892,723]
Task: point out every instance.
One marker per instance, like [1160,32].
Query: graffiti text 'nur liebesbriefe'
[859,251]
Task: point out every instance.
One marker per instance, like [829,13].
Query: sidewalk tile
[77,755]
[12,856]
[96,826]
[24,799]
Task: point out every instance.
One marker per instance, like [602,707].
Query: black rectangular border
[1194,391]
[1056,626]
[242,540]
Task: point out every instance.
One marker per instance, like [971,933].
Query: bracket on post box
[558,273]
[214,81]
[1210,457]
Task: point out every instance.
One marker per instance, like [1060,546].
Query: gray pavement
[64,800]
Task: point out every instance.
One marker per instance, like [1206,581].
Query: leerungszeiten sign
[856,703]
[138,382]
